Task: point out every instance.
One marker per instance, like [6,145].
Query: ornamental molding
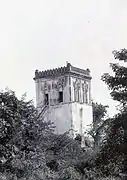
[66,70]
[46,87]
[85,86]
[57,85]
[77,84]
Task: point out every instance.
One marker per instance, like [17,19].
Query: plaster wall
[61,116]
[82,117]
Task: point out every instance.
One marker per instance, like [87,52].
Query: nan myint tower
[63,95]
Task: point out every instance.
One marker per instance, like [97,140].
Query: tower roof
[65,70]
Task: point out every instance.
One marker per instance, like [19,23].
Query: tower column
[90,98]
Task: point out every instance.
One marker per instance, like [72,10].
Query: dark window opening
[46,99]
[61,96]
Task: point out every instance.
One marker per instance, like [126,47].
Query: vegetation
[29,150]
[112,154]
[100,121]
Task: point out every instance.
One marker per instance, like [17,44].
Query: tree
[99,112]
[111,151]
[23,139]
[29,149]
[99,124]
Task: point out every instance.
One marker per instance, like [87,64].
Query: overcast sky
[42,34]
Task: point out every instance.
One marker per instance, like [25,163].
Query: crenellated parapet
[66,70]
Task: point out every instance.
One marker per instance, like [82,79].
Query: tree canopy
[112,149]
[23,138]
[28,147]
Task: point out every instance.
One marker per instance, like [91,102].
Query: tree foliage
[99,124]
[99,112]
[111,156]
[23,138]
[28,147]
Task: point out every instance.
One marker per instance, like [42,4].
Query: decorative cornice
[69,69]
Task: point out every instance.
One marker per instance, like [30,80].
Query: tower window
[46,99]
[60,96]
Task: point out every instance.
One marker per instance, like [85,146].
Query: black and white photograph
[63,90]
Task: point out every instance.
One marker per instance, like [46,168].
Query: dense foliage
[111,156]
[22,143]
[29,150]
[99,124]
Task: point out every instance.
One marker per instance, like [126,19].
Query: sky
[44,34]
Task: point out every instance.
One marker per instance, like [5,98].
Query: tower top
[65,70]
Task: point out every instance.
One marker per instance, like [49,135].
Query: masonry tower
[63,95]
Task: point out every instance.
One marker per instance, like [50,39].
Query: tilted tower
[63,95]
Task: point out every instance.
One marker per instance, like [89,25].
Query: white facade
[66,94]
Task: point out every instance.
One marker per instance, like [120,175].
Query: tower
[63,96]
